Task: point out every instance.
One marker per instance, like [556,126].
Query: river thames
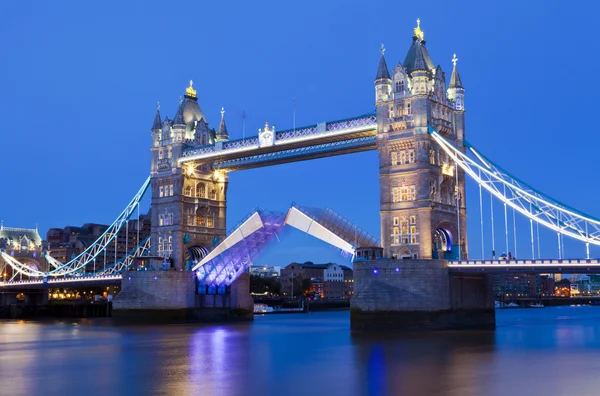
[549,351]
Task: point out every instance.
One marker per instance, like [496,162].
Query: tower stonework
[188,203]
[423,213]
[422,207]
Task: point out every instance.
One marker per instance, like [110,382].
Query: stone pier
[416,295]
[154,297]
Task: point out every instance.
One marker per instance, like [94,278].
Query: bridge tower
[188,203]
[423,213]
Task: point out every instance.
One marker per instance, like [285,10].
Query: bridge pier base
[417,295]
[155,297]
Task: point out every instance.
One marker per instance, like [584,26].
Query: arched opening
[196,253]
[442,244]
[405,254]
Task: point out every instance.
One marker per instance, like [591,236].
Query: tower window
[396,221]
[394,158]
[160,153]
[411,156]
[402,157]
[201,190]
[404,193]
[413,219]
[413,234]
[161,191]
[399,86]
[170,152]
[432,157]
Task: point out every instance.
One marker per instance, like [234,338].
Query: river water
[549,351]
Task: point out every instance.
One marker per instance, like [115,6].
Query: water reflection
[548,351]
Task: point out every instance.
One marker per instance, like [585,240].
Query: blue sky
[80,81]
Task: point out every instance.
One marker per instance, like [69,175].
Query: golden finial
[266,126]
[418,32]
[190,92]
[454,60]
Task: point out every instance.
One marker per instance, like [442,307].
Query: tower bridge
[418,131]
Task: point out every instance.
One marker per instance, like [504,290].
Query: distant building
[523,285]
[329,280]
[265,272]
[66,243]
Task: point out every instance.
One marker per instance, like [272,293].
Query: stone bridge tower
[423,213]
[188,204]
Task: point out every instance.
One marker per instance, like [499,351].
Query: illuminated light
[189,170]
[155,278]
[418,32]
[374,270]
[190,92]
[447,170]
[397,269]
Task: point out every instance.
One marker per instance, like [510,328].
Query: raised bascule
[417,276]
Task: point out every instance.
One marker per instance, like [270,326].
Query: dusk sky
[80,82]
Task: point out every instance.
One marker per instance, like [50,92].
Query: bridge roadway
[82,281]
[541,266]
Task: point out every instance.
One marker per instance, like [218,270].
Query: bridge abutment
[153,297]
[416,295]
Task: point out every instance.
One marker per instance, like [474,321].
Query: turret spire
[222,134]
[157,124]
[178,120]
[190,92]
[382,70]
[418,32]
[455,78]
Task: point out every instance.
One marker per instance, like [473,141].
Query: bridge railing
[524,262]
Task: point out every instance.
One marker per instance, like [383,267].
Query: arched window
[203,142]
[188,191]
[201,190]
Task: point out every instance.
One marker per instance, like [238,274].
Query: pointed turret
[222,135]
[456,91]
[419,64]
[178,120]
[382,71]
[418,57]
[383,81]
[455,78]
[157,124]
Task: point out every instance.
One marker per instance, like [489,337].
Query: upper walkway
[271,147]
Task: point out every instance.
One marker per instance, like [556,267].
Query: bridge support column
[416,295]
[149,297]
